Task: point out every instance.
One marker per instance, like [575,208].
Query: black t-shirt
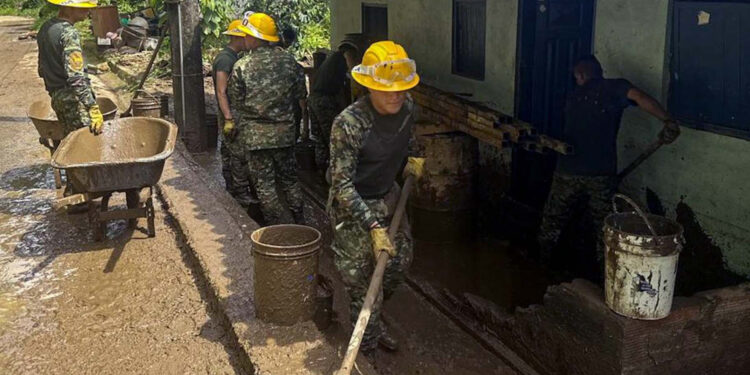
[383,152]
[331,75]
[223,62]
[592,119]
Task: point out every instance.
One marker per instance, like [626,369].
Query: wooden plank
[471,326]
[555,145]
[430,128]
[512,131]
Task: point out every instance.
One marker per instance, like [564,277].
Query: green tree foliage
[311,19]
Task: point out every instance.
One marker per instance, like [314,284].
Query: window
[469,20]
[375,21]
[710,66]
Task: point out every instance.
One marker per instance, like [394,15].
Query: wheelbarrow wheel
[133,199]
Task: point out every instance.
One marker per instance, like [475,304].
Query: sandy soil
[68,305]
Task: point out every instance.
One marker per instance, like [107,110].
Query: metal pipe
[182,63]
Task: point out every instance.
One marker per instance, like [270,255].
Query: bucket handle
[635,207]
[147,93]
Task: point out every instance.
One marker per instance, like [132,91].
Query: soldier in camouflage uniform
[326,100]
[233,164]
[265,87]
[63,68]
[588,180]
[370,140]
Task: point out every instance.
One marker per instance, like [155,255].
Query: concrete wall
[705,171]
[424,27]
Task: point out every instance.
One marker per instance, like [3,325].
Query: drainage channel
[238,357]
[437,299]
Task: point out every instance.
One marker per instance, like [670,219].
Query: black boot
[388,342]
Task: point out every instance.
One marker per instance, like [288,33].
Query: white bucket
[640,267]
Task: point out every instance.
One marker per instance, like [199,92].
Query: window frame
[480,75]
[672,50]
[363,17]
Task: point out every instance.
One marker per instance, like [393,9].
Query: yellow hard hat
[259,25]
[75,3]
[234,29]
[386,67]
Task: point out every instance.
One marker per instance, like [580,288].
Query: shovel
[128,113]
[375,284]
[640,159]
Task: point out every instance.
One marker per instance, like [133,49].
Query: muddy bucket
[640,263]
[146,107]
[107,107]
[286,268]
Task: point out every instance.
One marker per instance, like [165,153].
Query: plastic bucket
[146,107]
[107,107]
[286,268]
[641,257]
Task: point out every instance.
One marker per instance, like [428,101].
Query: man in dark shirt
[325,100]
[233,165]
[587,180]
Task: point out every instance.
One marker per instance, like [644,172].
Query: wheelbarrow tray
[45,120]
[129,154]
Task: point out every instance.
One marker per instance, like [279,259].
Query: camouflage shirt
[349,136]
[61,62]
[265,89]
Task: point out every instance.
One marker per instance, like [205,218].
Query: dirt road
[128,305]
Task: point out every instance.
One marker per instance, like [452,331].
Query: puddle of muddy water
[24,203]
[489,268]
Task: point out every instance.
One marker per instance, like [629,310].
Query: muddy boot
[388,342]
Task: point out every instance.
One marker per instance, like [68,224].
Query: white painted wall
[708,172]
[424,28]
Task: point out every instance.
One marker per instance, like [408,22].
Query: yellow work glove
[414,167]
[228,129]
[381,242]
[96,119]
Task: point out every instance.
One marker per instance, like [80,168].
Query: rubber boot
[388,342]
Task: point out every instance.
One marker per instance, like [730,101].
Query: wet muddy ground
[69,305]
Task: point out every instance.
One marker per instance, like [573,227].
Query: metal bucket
[641,257]
[286,268]
[146,107]
[107,107]
[443,202]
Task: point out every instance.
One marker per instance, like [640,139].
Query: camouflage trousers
[323,110]
[71,113]
[235,173]
[582,197]
[267,168]
[353,257]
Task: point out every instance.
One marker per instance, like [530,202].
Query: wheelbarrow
[51,132]
[128,157]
